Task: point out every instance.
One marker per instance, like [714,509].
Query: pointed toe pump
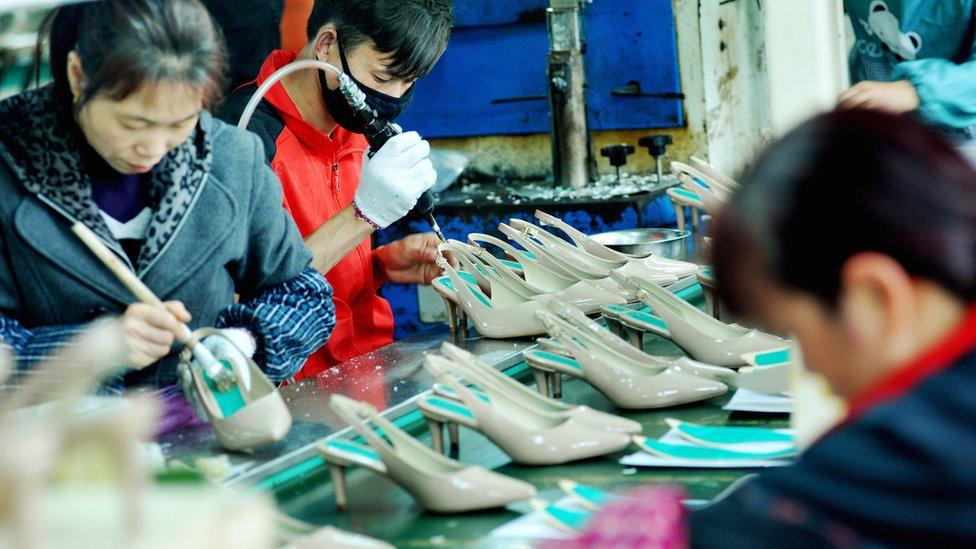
[502,285]
[501,280]
[602,338]
[511,317]
[653,262]
[482,374]
[628,384]
[556,281]
[529,437]
[581,270]
[661,270]
[439,484]
[703,337]
[715,178]
[564,268]
[769,372]
[584,241]
[711,195]
[533,272]
[248,416]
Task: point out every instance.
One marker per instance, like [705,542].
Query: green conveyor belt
[381,509]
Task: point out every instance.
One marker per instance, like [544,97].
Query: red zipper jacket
[319,175]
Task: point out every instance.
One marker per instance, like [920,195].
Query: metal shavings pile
[606,187]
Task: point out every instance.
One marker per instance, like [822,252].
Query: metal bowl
[669,243]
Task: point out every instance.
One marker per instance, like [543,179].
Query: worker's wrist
[363,218]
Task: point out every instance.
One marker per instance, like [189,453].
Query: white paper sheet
[533,526]
[644,459]
[745,400]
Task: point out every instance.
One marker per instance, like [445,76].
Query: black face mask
[386,106]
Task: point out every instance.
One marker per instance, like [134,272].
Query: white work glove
[394,178]
[222,349]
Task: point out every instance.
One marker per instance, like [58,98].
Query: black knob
[656,144]
[617,153]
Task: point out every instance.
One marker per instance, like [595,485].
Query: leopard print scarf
[40,147]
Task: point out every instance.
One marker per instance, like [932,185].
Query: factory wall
[721,53]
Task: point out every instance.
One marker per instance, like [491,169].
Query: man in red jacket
[315,146]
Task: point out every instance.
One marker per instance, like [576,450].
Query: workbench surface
[392,379]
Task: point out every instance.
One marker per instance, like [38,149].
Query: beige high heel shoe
[529,437]
[482,374]
[490,319]
[499,283]
[584,241]
[536,273]
[661,270]
[652,266]
[584,295]
[682,198]
[555,264]
[627,383]
[245,417]
[592,332]
[439,484]
[715,178]
[703,337]
[712,198]
[768,372]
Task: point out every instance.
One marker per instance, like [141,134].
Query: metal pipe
[573,162]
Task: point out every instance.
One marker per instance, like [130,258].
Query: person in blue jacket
[915,55]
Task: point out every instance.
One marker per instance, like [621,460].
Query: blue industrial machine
[493,80]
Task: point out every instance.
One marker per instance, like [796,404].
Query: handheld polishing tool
[377,133]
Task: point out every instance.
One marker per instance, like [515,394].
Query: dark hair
[843,183]
[124,44]
[414,32]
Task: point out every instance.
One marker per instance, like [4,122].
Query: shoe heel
[679,214]
[452,317]
[436,429]
[463,325]
[541,381]
[338,474]
[556,382]
[635,337]
[454,434]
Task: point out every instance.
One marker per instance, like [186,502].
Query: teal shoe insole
[567,518]
[772,358]
[593,496]
[451,393]
[358,450]
[701,453]
[472,285]
[230,401]
[687,194]
[541,356]
[656,323]
[449,407]
[513,265]
[724,434]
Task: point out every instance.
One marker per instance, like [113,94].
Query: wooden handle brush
[223,378]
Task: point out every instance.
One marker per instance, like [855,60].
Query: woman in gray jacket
[121,141]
